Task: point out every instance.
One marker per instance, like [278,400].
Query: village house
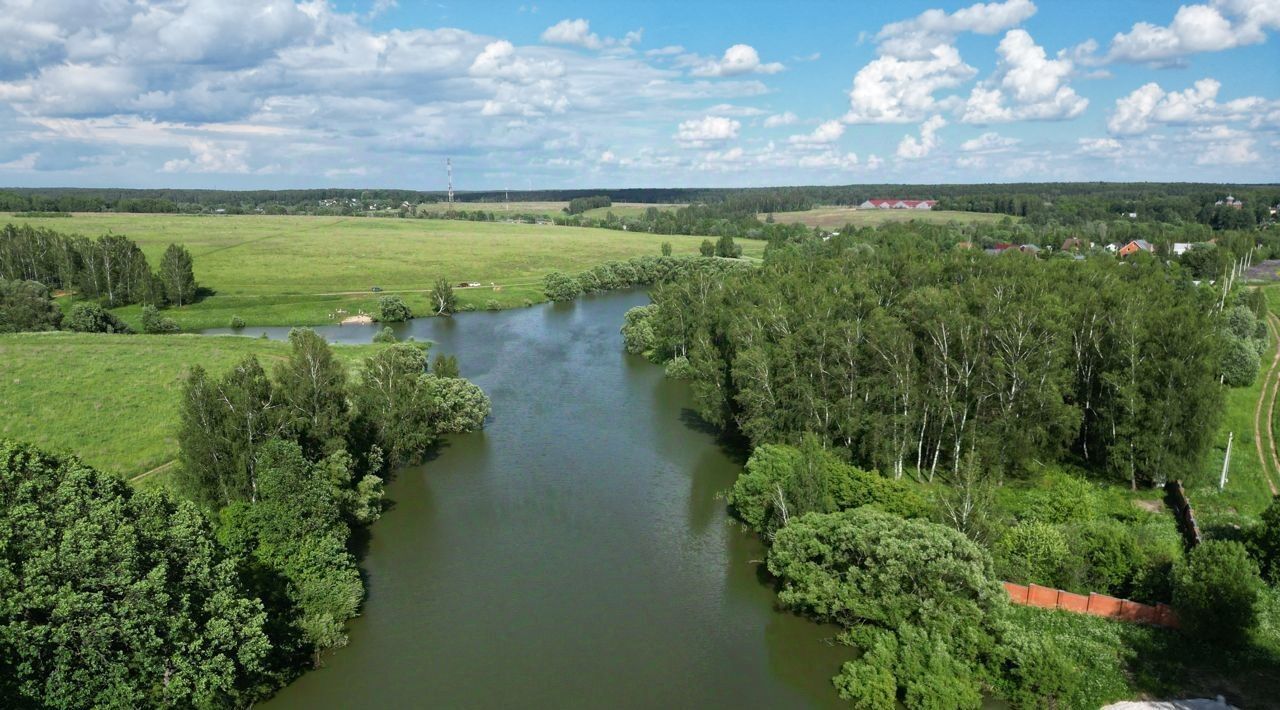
[895,204]
[1136,246]
[1075,244]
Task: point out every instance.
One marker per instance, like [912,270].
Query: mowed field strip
[296,270]
[547,209]
[837,217]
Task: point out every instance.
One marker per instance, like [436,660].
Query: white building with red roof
[896,204]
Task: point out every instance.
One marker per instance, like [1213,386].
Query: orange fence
[1096,604]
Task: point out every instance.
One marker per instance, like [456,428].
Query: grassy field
[1247,492]
[113,399]
[274,270]
[836,217]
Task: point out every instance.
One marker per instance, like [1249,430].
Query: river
[576,553]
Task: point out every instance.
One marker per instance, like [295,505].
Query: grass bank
[290,270]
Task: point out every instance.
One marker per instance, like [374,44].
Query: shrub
[666,248]
[1104,557]
[93,318]
[1265,542]
[679,368]
[637,329]
[707,248]
[727,249]
[492,305]
[27,306]
[1062,660]
[1241,322]
[1032,551]
[1061,498]
[561,287]
[237,322]
[919,598]
[393,309]
[154,322]
[1240,363]
[386,335]
[1216,591]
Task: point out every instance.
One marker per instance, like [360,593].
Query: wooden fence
[1095,604]
[1182,511]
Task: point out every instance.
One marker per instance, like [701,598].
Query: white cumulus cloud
[577,33]
[737,60]
[1223,24]
[1027,85]
[708,129]
[893,90]
[826,133]
[1150,104]
[918,37]
[912,148]
[785,118]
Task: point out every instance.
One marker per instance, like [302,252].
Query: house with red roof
[897,204]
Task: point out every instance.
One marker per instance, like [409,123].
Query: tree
[445,366]
[1240,363]
[222,424]
[561,287]
[88,317]
[155,323]
[919,600]
[666,248]
[393,309]
[392,404]
[726,248]
[637,330]
[113,597]
[1216,591]
[27,306]
[312,388]
[295,530]
[865,566]
[443,298]
[458,405]
[177,276]
[386,335]
[707,248]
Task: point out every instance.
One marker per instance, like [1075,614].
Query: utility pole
[1226,462]
[448,166]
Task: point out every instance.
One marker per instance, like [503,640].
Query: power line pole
[448,166]
[1226,463]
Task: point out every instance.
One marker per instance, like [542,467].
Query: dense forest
[103,273]
[926,421]
[1040,203]
[911,360]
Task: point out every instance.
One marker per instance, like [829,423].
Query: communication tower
[448,166]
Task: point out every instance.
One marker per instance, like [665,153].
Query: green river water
[576,553]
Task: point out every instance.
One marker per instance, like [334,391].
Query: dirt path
[1263,434]
[155,470]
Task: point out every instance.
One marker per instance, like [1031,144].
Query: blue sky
[282,94]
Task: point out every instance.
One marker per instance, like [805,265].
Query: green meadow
[113,399]
[294,270]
